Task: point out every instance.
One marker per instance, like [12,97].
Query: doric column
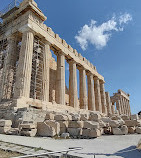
[108,102]
[23,75]
[9,68]
[118,105]
[83,89]
[128,106]
[113,108]
[103,97]
[60,82]
[97,95]
[122,105]
[46,69]
[91,95]
[73,97]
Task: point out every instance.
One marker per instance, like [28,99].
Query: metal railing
[52,153]
[13,4]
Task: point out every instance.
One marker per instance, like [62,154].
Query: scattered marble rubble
[74,125]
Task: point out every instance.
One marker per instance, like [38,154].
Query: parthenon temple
[30,76]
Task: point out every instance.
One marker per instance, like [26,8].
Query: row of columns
[125,106]
[96,91]
[122,105]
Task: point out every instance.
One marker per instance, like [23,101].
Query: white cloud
[123,19]
[100,35]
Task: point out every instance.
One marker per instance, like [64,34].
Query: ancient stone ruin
[34,98]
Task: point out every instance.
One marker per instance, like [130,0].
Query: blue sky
[119,60]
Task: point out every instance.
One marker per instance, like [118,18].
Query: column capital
[71,61]
[59,52]
[88,73]
[27,28]
[80,68]
[102,82]
[96,78]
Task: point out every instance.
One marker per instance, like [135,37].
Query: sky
[107,33]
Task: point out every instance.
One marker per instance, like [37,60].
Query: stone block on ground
[138,130]
[94,116]
[45,130]
[91,124]
[91,133]
[76,124]
[77,132]
[4,123]
[120,131]
[54,124]
[5,129]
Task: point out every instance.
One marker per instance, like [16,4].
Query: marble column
[91,95]
[122,105]
[60,81]
[108,102]
[126,107]
[103,97]
[113,108]
[9,68]
[97,95]
[23,75]
[46,72]
[118,105]
[73,97]
[129,108]
[82,88]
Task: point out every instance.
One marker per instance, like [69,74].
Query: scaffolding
[37,70]
[14,5]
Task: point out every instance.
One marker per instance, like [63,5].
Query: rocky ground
[6,154]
